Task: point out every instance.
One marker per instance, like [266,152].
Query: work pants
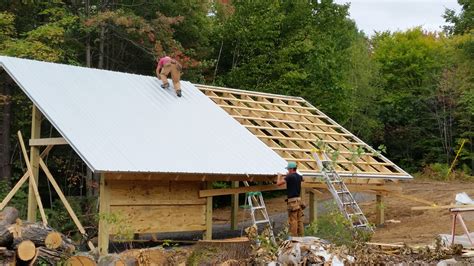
[171,67]
[295,217]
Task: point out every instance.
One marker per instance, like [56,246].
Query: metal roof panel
[119,122]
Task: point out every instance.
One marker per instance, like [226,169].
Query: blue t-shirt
[293,185]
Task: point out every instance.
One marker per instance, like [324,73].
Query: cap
[291,165]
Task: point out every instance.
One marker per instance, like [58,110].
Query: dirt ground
[414,228]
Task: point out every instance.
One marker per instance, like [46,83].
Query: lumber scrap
[7,217]
[441,207]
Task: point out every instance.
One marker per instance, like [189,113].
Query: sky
[381,15]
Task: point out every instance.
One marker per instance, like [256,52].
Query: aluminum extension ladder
[258,211]
[344,199]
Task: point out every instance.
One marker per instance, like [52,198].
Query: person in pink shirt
[166,66]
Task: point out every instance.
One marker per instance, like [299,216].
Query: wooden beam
[412,198]
[104,211]
[34,155]
[240,190]
[352,187]
[425,208]
[313,207]
[234,207]
[379,211]
[65,202]
[251,93]
[48,141]
[271,111]
[14,190]
[33,183]
[20,182]
[208,232]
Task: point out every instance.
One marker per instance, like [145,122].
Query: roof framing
[292,127]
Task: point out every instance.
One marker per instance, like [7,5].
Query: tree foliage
[411,90]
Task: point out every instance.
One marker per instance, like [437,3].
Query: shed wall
[152,206]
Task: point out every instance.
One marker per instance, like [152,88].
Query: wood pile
[22,241]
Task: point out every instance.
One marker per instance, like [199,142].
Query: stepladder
[258,212]
[343,197]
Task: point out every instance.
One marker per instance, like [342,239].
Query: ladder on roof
[258,211]
[344,199]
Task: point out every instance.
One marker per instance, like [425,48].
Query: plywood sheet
[154,219]
[153,192]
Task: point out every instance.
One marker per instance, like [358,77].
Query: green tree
[410,64]
[462,22]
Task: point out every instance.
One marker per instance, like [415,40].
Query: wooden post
[313,207]
[234,207]
[34,160]
[379,210]
[104,211]
[208,232]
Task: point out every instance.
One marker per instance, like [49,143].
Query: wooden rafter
[292,127]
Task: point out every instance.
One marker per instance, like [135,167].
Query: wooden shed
[157,154]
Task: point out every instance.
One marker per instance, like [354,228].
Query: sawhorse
[456,212]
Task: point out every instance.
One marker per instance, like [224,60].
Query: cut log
[26,250]
[7,257]
[81,260]
[53,240]
[37,232]
[7,217]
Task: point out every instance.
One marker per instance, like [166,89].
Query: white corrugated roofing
[119,122]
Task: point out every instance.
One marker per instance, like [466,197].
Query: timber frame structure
[152,201]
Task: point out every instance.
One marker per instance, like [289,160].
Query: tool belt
[295,204]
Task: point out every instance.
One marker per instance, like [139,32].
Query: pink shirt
[163,61]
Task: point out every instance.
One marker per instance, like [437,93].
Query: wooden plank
[379,210]
[292,122]
[412,198]
[34,155]
[207,88]
[299,130]
[20,182]
[234,207]
[269,111]
[65,202]
[237,100]
[208,232]
[48,141]
[337,162]
[33,183]
[425,208]
[155,192]
[104,210]
[187,177]
[313,207]
[309,140]
[14,190]
[352,187]
[155,219]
